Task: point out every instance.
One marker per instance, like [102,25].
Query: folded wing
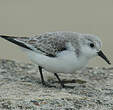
[48,45]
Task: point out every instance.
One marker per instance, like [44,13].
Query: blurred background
[30,17]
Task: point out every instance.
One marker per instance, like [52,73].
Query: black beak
[101,54]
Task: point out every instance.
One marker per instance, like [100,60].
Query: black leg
[42,78]
[59,79]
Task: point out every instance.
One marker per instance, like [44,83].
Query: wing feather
[47,44]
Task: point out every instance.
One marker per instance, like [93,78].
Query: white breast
[65,62]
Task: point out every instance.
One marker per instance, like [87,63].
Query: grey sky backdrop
[30,17]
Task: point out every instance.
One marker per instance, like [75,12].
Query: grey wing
[47,45]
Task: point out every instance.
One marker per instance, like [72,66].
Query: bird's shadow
[50,83]
[65,82]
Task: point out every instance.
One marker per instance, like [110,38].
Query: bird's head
[91,46]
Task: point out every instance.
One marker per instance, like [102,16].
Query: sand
[21,88]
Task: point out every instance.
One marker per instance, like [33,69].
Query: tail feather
[13,40]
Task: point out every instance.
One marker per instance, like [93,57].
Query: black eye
[92,45]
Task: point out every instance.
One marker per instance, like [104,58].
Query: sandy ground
[21,89]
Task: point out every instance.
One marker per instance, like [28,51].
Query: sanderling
[60,52]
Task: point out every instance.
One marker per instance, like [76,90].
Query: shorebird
[60,52]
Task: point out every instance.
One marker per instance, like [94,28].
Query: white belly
[67,62]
